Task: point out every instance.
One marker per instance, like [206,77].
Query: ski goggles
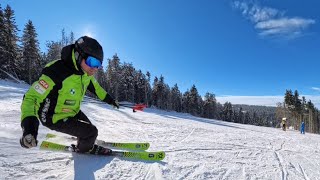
[93,62]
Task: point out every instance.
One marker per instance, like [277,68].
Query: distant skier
[302,127]
[284,123]
[56,97]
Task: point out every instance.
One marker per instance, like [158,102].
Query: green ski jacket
[60,90]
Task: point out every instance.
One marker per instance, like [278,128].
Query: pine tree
[227,112]
[43,60]
[54,51]
[209,107]
[64,38]
[158,92]
[31,53]
[186,102]
[2,41]
[235,116]
[71,39]
[310,123]
[148,91]
[241,116]
[195,101]
[255,120]
[166,96]
[289,100]
[11,48]
[155,94]
[126,85]
[139,87]
[247,118]
[113,74]
[55,47]
[176,99]
[297,108]
[162,93]
[192,102]
[101,78]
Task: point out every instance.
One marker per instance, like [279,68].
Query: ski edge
[118,145]
[147,156]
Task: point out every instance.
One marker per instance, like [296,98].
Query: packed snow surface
[196,148]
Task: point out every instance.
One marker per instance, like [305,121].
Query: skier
[56,97]
[302,127]
[284,123]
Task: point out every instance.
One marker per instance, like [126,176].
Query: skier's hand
[115,104]
[109,99]
[30,131]
[28,141]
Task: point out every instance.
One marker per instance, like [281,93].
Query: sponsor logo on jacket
[39,88]
[44,84]
[66,110]
[70,102]
[45,110]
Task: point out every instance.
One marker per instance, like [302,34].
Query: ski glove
[109,99]
[28,141]
[30,127]
[115,104]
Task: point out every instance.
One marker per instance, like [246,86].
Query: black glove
[115,104]
[109,99]
[28,141]
[30,127]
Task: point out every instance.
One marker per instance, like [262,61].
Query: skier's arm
[30,107]
[95,88]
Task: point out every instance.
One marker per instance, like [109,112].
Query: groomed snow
[196,148]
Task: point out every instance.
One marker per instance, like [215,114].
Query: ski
[148,156]
[117,145]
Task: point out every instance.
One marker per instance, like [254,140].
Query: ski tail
[147,156]
[46,145]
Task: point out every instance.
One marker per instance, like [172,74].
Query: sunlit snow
[196,148]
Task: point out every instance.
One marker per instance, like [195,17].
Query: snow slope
[196,148]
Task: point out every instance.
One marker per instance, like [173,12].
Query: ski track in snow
[196,148]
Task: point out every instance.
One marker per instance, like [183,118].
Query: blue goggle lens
[93,62]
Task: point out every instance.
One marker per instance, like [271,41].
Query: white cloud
[283,26]
[316,88]
[272,22]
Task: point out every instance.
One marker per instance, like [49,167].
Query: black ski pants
[80,127]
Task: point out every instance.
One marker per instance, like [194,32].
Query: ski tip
[157,156]
[148,156]
[160,155]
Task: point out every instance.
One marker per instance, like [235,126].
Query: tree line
[297,109]
[21,58]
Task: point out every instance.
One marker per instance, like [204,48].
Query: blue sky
[237,48]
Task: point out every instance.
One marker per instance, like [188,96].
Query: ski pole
[135,107]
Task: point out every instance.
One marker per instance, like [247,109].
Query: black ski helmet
[87,46]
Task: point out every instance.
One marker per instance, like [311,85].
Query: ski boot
[99,150]
[74,148]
